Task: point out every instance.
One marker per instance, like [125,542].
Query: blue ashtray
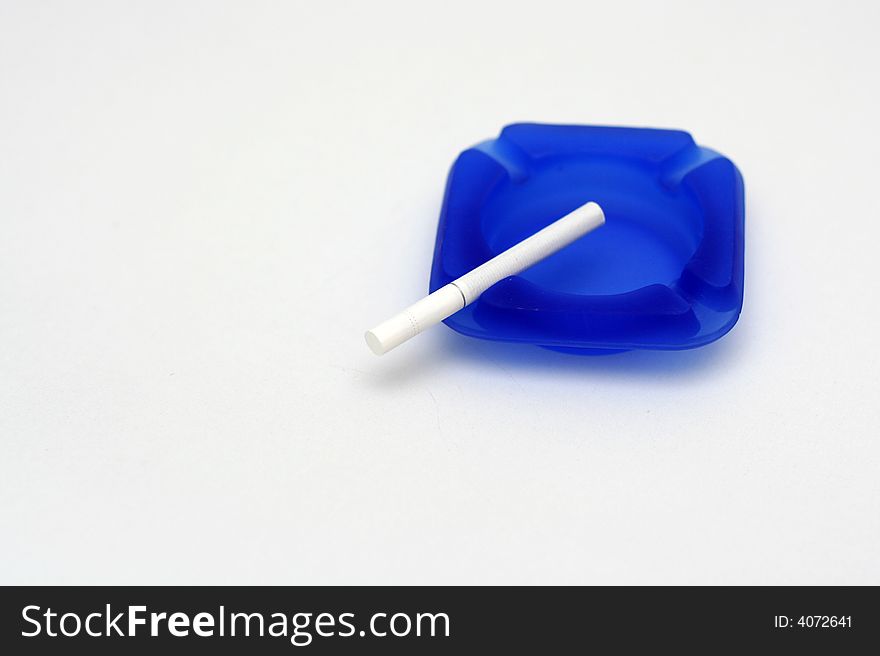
[664,272]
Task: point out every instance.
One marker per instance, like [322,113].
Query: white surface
[185,396]
[464,290]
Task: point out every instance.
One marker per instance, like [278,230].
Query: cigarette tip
[373,342]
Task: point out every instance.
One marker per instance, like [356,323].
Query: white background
[204,205]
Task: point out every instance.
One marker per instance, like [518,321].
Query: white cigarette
[463,291]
